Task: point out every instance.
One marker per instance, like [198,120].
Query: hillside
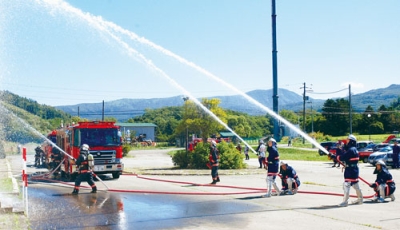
[124,109]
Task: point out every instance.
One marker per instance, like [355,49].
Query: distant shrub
[125,149]
[230,158]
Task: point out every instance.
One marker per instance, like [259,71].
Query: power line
[330,92]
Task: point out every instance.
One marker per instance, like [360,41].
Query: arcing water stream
[59,6]
[98,24]
[106,26]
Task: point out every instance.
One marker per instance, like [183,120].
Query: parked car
[393,140]
[385,154]
[328,145]
[366,152]
[363,144]
[380,146]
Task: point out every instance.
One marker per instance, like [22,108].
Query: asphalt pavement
[163,197]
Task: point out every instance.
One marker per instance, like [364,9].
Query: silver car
[385,154]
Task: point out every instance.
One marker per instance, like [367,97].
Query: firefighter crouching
[290,180]
[84,164]
[384,185]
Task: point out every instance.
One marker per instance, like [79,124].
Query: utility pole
[305,98]
[102,114]
[274,71]
[304,109]
[350,112]
[187,132]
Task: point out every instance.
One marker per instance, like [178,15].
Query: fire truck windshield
[97,137]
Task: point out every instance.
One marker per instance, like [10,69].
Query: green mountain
[124,109]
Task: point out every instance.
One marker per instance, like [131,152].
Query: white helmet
[272,139]
[283,163]
[213,143]
[380,162]
[85,147]
[352,137]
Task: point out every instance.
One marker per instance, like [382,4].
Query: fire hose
[252,190]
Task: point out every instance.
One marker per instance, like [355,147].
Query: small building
[148,129]
[228,135]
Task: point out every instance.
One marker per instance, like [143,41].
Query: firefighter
[84,168]
[290,180]
[38,155]
[261,154]
[350,158]
[384,185]
[214,162]
[339,151]
[273,167]
[56,158]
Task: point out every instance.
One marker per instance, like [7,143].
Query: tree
[336,113]
[199,121]
[166,119]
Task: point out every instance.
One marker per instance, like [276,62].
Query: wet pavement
[186,201]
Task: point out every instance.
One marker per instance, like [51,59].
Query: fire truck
[104,140]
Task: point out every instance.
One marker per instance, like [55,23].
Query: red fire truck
[104,140]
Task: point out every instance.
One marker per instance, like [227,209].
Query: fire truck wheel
[115,175]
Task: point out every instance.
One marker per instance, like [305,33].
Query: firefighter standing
[246,152]
[85,173]
[290,180]
[384,185]
[261,154]
[273,167]
[56,158]
[339,151]
[38,156]
[396,151]
[351,172]
[214,162]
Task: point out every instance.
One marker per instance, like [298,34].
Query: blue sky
[56,57]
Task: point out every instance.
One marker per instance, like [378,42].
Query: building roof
[136,124]
[226,134]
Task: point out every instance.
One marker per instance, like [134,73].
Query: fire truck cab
[105,143]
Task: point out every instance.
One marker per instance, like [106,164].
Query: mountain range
[124,109]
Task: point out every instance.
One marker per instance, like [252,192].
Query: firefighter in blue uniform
[350,158]
[384,185]
[273,167]
[290,180]
[85,172]
[214,162]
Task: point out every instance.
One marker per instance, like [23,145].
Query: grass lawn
[297,154]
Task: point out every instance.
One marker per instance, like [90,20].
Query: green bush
[181,158]
[230,158]
[199,157]
[125,149]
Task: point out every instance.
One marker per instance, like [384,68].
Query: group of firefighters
[384,185]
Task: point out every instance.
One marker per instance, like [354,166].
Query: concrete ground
[311,208]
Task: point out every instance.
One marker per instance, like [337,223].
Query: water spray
[43,137]
[101,25]
[182,60]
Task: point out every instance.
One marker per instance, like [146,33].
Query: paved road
[173,208]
